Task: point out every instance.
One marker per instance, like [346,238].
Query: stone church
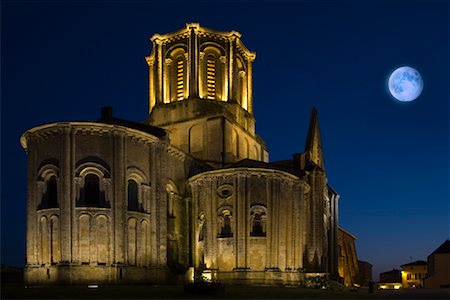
[187,193]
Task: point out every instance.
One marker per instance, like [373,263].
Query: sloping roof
[107,118]
[346,232]
[415,263]
[444,248]
[250,163]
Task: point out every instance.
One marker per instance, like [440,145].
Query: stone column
[213,202]
[224,81]
[151,83]
[243,88]
[153,228]
[288,227]
[269,221]
[250,85]
[65,201]
[241,221]
[119,208]
[159,59]
[193,63]
[161,163]
[231,69]
[168,79]
[201,75]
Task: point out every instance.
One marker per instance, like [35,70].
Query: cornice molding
[43,132]
[248,172]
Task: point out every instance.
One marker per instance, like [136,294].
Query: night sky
[388,160]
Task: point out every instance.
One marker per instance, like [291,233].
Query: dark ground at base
[12,291]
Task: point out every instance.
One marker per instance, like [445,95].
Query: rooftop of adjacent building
[444,248]
[415,263]
[393,271]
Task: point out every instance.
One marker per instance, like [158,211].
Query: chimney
[106,112]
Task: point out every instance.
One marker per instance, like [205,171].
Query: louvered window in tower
[180,80]
[211,78]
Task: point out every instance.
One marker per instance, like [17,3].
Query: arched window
[211,77]
[48,186]
[133,201]
[52,192]
[225,223]
[92,190]
[92,181]
[226,229]
[241,84]
[258,218]
[176,80]
[257,229]
[138,190]
[180,78]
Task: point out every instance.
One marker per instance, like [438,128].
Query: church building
[187,193]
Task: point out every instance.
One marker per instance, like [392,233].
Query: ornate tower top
[201,63]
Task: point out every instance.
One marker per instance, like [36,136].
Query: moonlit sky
[388,160]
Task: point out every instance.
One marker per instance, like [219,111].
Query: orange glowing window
[211,78]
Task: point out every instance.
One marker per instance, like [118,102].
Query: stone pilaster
[153,207]
[119,208]
[250,86]
[193,63]
[240,217]
[151,84]
[168,80]
[201,75]
[159,59]
[65,200]
[161,200]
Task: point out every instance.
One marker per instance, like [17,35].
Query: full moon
[405,84]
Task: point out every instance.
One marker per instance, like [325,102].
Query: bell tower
[200,91]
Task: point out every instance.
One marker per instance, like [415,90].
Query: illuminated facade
[438,272]
[413,274]
[188,192]
[348,266]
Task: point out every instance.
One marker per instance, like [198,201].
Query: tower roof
[415,263]
[313,146]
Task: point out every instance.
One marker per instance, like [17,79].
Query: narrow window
[133,203]
[52,192]
[92,190]
[211,78]
[226,226]
[180,79]
[257,228]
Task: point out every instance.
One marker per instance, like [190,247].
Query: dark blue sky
[388,161]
